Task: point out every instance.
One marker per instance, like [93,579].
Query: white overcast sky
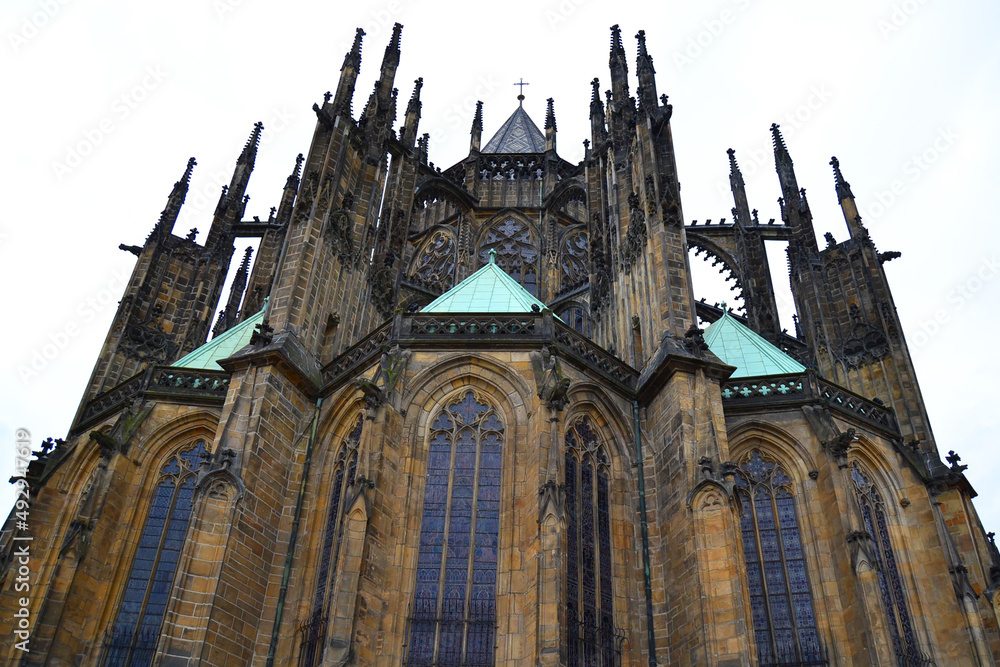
[105,100]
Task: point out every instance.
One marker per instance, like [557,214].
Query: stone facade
[277,510]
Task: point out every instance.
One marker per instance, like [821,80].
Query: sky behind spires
[107,100]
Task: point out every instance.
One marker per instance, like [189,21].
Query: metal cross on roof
[522,84]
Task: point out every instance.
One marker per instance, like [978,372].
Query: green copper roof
[488,290]
[518,135]
[222,346]
[753,356]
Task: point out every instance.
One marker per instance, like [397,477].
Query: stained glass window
[904,641]
[435,264]
[136,628]
[784,621]
[576,317]
[454,603]
[345,468]
[592,638]
[517,251]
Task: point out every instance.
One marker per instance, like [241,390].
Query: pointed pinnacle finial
[414,104]
[354,55]
[596,92]
[493,256]
[397,29]
[250,149]
[616,39]
[477,120]
[186,178]
[643,59]
[843,187]
[779,142]
[246,259]
[293,179]
[550,116]
[733,167]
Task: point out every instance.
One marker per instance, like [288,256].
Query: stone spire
[229,315]
[412,119]
[175,200]
[847,203]
[646,74]
[550,126]
[477,128]
[348,76]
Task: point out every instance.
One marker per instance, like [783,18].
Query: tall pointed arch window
[454,603]
[592,638]
[900,626]
[784,621]
[136,628]
[517,251]
[345,469]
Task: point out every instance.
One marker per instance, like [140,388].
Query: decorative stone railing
[193,385]
[807,387]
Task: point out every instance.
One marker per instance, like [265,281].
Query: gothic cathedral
[466,416]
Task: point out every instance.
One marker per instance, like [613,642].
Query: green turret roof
[488,290]
[753,356]
[222,346]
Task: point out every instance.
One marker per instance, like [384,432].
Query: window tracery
[574,261]
[784,620]
[516,251]
[900,626]
[455,598]
[136,629]
[435,265]
[345,468]
[592,638]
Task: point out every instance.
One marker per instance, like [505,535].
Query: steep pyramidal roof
[753,356]
[518,135]
[488,290]
[222,346]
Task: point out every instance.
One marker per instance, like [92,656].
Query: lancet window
[784,621]
[900,626]
[313,631]
[454,603]
[516,251]
[435,265]
[136,628]
[576,317]
[592,639]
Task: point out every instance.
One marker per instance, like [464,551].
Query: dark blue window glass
[455,598]
[136,628]
[313,631]
[784,623]
[592,638]
[904,641]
